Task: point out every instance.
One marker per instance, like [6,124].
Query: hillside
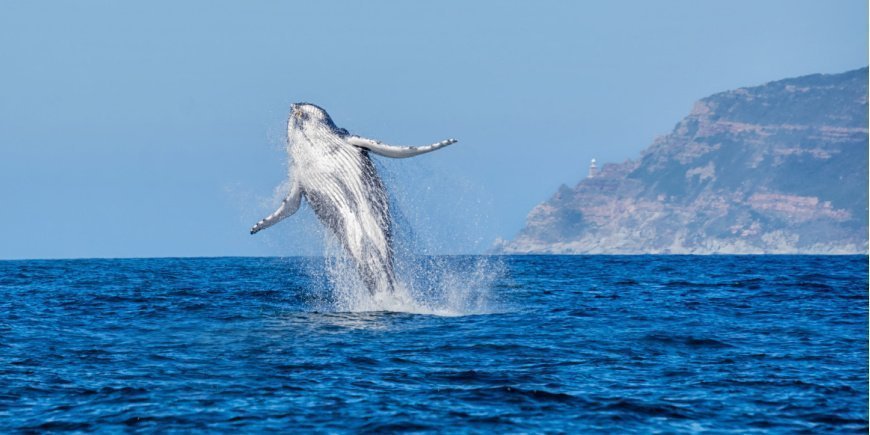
[777,168]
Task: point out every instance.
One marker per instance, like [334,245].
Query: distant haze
[157,129]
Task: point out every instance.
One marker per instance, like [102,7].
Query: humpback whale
[333,171]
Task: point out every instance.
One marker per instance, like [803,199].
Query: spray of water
[438,285]
[446,285]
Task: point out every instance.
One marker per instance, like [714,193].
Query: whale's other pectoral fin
[288,206]
[396,152]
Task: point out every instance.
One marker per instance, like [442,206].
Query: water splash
[444,285]
[434,285]
[425,284]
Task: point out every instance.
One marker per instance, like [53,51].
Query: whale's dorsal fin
[396,152]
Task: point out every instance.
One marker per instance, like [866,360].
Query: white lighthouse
[593,169]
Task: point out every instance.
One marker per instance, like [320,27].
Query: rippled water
[589,343]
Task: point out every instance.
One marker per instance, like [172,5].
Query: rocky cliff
[777,168]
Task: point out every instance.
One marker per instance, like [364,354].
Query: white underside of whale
[335,174]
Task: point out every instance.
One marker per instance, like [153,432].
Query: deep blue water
[587,343]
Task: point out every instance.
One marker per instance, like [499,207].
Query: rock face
[778,168]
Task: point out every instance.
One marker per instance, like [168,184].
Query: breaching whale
[333,171]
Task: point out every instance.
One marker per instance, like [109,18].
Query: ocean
[494,344]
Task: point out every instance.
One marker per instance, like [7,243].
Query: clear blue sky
[156,128]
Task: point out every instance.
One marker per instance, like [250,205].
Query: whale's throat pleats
[349,198]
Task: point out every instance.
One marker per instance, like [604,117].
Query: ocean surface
[509,344]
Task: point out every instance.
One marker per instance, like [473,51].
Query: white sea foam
[434,285]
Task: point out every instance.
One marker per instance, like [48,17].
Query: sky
[156,129]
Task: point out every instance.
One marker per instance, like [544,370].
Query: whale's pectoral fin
[288,206]
[396,152]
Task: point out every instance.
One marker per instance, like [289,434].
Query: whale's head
[305,116]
